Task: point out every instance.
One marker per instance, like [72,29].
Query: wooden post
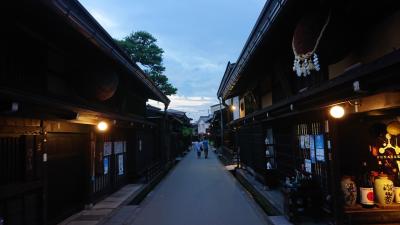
[222,125]
[42,148]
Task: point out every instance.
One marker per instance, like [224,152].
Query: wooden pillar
[42,152]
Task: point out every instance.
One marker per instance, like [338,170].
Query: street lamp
[337,112]
[102,126]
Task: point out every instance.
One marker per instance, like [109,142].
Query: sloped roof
[233,71]
[83,22]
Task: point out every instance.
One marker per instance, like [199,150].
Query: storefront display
[349,189]
[366,188]
[384,190]
[378,176]
[397,194]
[269,150]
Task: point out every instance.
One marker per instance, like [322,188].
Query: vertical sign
[320,148]
[306,141]
[120,164]
[312,148]
[302,144]
[105,162]
[307,165]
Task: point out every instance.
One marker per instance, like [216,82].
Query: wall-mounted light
[337,111]
[102,126]
[233,108]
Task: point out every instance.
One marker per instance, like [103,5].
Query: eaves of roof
[225,78]
[84,23]
[271,10]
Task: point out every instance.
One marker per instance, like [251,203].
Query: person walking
[205,148]
[197,148]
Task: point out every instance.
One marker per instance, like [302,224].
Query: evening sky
[199,37]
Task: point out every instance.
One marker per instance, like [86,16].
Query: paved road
[199,192]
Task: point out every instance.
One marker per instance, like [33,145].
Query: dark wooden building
[301,59]
[61,74]
[177,133]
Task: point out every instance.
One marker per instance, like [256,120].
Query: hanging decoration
[305,44]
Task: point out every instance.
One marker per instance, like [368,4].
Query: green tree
[142,48]
[187,131]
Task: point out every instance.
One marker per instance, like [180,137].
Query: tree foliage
[187,131]
[142,48]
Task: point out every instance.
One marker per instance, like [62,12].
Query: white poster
[302,146]
[312,149]
[120,164]
[306,141]
[320,148]
[105,164]
[307,164]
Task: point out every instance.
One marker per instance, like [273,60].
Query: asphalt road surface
[199,192]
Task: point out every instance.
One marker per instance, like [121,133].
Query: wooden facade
[177,141]
[60,75]
[357,71]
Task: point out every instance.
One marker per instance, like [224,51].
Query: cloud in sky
[198,37]
[102,18]
[194,106]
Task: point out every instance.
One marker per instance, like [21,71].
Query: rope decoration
[304,63]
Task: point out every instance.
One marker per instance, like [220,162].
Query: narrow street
[101,103]
[198,192]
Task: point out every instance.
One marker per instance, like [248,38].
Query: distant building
[202,124]
[215,108]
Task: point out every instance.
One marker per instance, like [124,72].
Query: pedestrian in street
[194,143]
[197,148]
[205,148]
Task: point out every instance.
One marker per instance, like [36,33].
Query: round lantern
[98,83]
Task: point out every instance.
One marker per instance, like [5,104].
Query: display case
[269,150]
[271,174]
[374,168]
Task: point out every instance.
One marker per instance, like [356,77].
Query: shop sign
[120,164]
[307,165]
[320,148]
[312,148]
[105,165]
[302,142]
[307,141]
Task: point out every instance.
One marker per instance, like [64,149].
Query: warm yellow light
[102,126]
[337,111]
[233,107]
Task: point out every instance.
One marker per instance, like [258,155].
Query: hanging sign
[105,165]
[107,148]
[120,164]
[302,144]
[320,148]
[312,148]
[307,141]
[307,165]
